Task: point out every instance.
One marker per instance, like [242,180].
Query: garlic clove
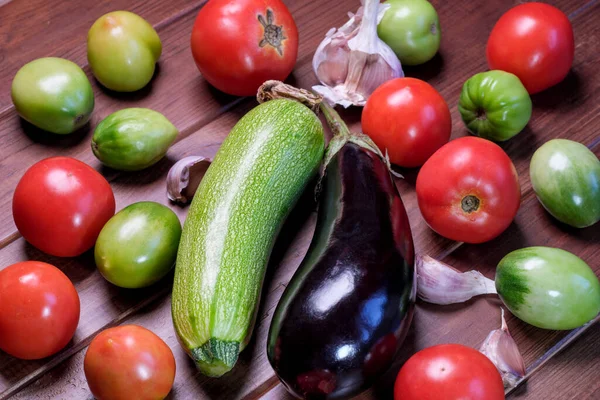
[439,283]
[184,178]
[351,62]
[502,350]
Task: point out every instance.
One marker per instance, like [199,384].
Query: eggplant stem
[342,135]
[273,89]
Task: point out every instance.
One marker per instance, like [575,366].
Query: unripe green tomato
[565,176]
[138,245]
[122,50]
[53,94]
[412,29]
[548,287]
[133,138]
[494,105]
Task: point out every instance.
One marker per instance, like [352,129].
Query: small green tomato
[133,138]
[53,94]
[412,29]
[122,49]
[565,176]
[548,287]
[138,245]
[494,105]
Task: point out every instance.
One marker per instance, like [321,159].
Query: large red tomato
[61,204]
[448,372]
[129,362]
[407,118]
[469,190]
[239,44]
[535,42]
[39,310]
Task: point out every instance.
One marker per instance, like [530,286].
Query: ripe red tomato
[408,118]
[39,310]
[469,190]
[448,372]
[61,204]
[535,42]
[129,362]
[239,44]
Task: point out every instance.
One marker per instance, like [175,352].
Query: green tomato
[412,29]
[549,288]
[565,176]
[494,105]
[138,245]
[122,50]
[53,94]
[133,139]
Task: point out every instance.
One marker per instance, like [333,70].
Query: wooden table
[35,28]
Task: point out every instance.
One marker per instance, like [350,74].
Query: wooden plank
[467,324]
[27,25]
[572,374]
[178,91]
[102,303]
[106,304]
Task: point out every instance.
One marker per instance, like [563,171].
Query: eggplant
[346,311]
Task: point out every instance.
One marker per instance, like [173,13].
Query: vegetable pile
[344,315]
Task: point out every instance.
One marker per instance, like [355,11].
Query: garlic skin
[501,349]
[351,62]
[439,283]
[184,178]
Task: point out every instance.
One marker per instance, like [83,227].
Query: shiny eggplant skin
[346,311]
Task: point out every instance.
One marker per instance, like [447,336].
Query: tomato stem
[470,203]
[481,115]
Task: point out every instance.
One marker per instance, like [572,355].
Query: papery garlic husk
[502,350]
[184,178]
[439,283]
[351,62]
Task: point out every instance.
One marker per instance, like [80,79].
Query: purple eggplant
[346,311]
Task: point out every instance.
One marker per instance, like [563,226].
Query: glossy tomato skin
[494,105]
[239,44]
[61,204]
[129,362]
[407,118]
[469,190]
[39,310]
[448,372]
[138,246]
[535,42]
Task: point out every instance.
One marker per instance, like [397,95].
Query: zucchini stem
[216,357]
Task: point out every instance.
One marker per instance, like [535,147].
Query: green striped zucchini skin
[257,176]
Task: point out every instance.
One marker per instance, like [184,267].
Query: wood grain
[572,374]
[204,118]
[27,26]
[177,90]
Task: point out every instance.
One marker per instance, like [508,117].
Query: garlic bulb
[439,283]
[502,350]
[351,62]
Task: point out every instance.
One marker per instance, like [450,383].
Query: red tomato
[239,44]
[129,362]
[408,118]
[535,42]
[469,190]
[39,310]
[448,372]
[61,204]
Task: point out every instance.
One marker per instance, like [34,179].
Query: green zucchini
[256,177]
